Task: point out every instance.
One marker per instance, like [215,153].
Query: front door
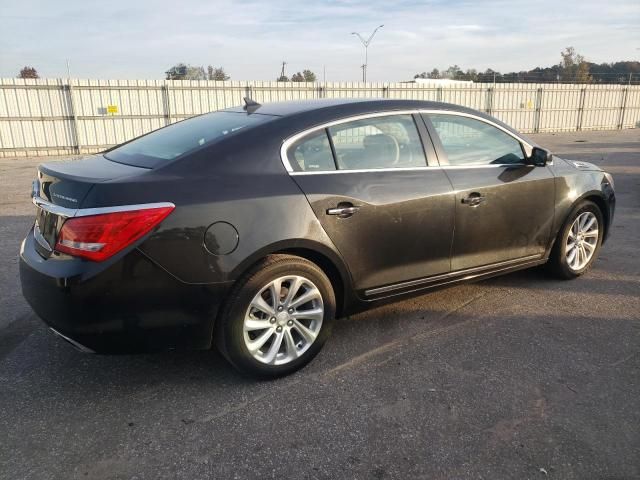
[504,207]
[367,181]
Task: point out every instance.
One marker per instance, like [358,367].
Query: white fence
[58,117]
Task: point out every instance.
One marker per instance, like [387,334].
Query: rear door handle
[474,199]
[343,210]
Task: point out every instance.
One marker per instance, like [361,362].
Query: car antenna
[250,105]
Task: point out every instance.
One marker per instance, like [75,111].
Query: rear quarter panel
[240,181]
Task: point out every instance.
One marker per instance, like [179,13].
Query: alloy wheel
[283,320]
[582,241]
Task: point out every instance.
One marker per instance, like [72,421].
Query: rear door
[504,207]
[387,212]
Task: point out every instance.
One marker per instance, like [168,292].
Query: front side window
[378,142]
[468,141]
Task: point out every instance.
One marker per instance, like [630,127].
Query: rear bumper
[126,306]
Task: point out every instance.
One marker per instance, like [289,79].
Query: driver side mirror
[539,157]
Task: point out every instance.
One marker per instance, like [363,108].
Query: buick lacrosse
[252,228]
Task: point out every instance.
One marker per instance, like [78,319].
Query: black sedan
[254,227]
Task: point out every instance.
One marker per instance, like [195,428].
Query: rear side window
[468,141]
[378,142]
[312,153]
[171,142]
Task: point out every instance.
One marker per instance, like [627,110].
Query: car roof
[357,105]
[302,114]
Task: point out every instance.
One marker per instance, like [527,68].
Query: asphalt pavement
[521,376]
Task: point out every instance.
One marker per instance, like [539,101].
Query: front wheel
[277,318]
[578,242]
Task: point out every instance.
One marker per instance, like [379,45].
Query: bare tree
[574,67]
[28,72]
[217,73]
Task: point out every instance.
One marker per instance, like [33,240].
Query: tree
[471,74]
[488,75]
[28,72]
[305,76]
[573,66]
[215,73]
[452,73]
[186,72]
[177,72]
[435,73]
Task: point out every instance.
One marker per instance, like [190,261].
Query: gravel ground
[520,376]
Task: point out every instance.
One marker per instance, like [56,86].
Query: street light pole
[366,52]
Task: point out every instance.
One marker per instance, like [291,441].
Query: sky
[116,39]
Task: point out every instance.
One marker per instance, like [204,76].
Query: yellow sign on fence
[112,109]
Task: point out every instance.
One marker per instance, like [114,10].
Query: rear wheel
[578,242]
[277,318]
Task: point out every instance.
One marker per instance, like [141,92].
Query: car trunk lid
[60,189]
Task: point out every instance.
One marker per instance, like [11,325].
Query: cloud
[124,39]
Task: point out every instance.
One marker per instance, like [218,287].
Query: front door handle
[474,199]
[343,210]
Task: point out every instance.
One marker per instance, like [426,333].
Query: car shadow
[102,374]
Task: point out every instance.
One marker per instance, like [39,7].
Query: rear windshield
[175,140]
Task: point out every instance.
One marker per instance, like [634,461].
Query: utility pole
[366,47]
[282,71]
[68,69]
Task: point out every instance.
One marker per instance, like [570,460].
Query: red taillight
[98,237]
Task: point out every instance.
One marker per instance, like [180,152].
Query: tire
[245,320]
[559,261]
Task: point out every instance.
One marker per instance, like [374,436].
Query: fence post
[74,117]
[581,101]
[489,101]
[248,91]
[439,94]
[167,103]
[538,114]
[623,104]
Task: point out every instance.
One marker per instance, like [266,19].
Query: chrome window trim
[411,169]
[294,138]
[85,212]
[526,144]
